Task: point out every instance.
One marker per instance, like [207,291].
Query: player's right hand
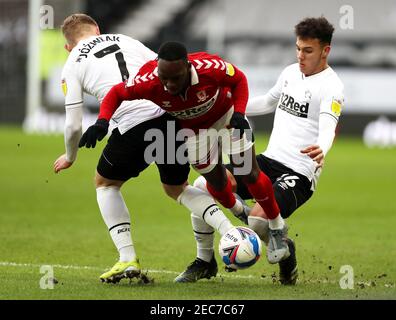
[94,133]
[240,125]
[61,163]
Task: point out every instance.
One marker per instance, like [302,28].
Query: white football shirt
[94,66]
[307,110]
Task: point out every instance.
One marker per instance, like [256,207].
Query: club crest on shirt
[166,104]
[202,96]
[308,94]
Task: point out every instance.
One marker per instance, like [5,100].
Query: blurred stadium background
[257,36]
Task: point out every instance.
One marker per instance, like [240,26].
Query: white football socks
[277,223]
[204,237]
[237,208]
[116,216]
[200,183]
[203,206]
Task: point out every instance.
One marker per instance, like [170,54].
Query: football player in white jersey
[307,100]
[97,62]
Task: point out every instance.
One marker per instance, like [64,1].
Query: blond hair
[76,25]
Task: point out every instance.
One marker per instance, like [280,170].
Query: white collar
[194,76]
[317,75]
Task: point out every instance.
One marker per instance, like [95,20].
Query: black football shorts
[124,155]
[291,188]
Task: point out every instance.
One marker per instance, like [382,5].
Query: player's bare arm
[61,163]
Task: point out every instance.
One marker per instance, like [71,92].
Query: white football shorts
[206,147]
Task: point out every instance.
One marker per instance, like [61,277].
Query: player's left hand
[61,163]
[94,133]
[315,153]
[239,123]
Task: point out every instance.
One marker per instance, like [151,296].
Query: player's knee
[200,183]
[173,191]
[251,177]
[233,181]
[101,181]
[216,178]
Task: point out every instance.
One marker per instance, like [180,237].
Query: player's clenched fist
[94,133]
[239,123]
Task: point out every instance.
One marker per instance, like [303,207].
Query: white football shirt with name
[98,63]
[300,101]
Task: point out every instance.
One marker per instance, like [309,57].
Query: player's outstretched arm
[266,103]
[73,128]
[61,163]
[113,100]
[109,105]
[261,105]
[327,128]
[236,80]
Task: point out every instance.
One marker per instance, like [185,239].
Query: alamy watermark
[347,280]
[47,281]
[347,19]
[46,17]
[201,149]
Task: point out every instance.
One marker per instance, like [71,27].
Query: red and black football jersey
[215,87]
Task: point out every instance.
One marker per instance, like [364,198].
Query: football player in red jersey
[107,59]
[302,134]
[208,96]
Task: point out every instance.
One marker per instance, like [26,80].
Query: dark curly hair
[172,51]
[315,28]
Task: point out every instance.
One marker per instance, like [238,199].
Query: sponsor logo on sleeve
[336,107]
[64,87]
[230,69]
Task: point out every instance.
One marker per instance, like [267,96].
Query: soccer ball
[240,248]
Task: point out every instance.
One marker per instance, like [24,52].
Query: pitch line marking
[32,265]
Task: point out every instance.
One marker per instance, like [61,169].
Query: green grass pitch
[48,219]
